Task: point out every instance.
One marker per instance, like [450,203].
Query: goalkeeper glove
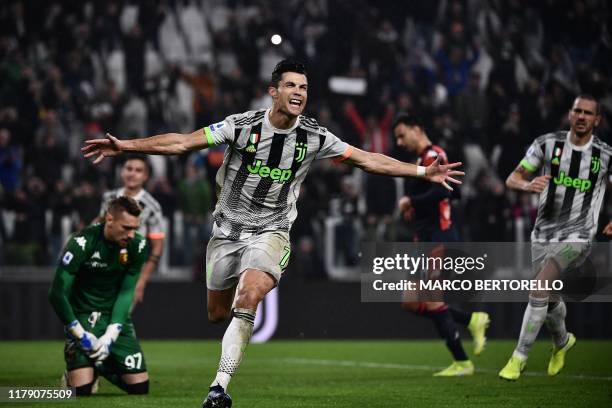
[105,342]
[87,341]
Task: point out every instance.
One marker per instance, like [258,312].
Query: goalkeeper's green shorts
[125,357]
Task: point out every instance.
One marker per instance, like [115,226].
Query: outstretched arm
[521,179]
[167,143]
[377,163]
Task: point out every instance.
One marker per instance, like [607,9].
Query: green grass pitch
[331,374]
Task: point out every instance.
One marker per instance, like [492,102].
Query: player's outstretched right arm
[167,144]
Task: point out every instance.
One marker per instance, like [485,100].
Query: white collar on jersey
[584,147]
[275,130]
[137,197]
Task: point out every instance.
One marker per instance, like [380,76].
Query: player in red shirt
[428,208]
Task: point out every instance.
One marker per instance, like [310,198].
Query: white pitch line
[370,364]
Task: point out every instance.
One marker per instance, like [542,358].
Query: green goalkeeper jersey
[96,275]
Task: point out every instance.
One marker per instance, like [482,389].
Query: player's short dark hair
[286,65]
[408,119]
[589,97]
[137,156]
[124,203]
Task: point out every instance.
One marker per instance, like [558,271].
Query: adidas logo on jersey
[96,255]
[578,183]
[276,174]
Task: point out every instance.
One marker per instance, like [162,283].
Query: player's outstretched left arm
[377,163]
[167,144]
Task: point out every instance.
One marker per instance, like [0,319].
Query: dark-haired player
[572,169]
[427,206]
[268,155]
[134,174]
[92,294]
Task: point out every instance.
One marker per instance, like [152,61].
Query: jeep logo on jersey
[301,149]
[276,174]
[567,181]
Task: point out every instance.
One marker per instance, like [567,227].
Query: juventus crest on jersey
[569,206]
[259,181]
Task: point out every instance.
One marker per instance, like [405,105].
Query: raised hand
[443,173]
[108,147]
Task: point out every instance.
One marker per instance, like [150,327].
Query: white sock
[235,341]
[555,322]
[534,317]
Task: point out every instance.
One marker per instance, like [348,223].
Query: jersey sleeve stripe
[347,153]
[528,165]
[209,136]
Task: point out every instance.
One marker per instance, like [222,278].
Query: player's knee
[83,390]
[138,388]
[247,299]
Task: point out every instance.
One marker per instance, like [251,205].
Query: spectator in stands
[10,163]
[195,201]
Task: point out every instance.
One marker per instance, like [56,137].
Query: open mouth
[295,102]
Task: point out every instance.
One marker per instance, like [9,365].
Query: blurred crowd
[486,76]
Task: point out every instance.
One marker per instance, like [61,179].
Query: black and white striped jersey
[151,217]
[569,206]
[263,167]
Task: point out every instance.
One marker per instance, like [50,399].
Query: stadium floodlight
[276,39]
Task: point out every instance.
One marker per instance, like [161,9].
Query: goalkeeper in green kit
[92,294]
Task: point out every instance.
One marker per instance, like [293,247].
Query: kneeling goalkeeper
[92,294]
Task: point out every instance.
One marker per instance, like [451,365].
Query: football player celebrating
[569,171]
[268,156]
